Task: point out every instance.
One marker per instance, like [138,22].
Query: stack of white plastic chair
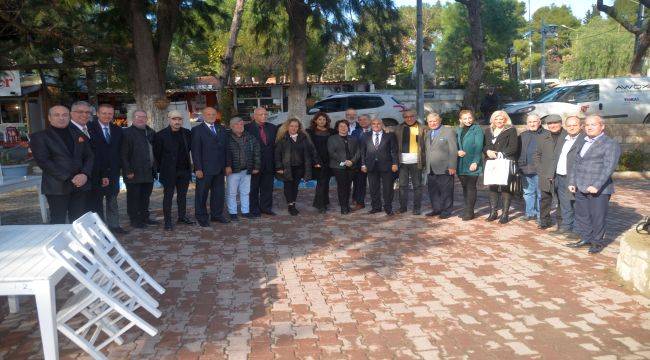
[91,231]
[104,303]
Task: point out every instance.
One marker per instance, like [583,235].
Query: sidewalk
[368,286]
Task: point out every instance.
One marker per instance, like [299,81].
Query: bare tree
[477,43]
[225,77]
[642,31]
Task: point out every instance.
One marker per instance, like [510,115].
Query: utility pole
[542,68]
[530,53]
[419,73]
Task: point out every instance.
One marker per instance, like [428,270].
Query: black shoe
[248,215]
[169,227]
[389,213]
[596,248]
[544,226]
[233,217]
[374,211]
[151,222]
[292,210]
[578,244]
[345,211]
[256,214]
[220,219]
[504,218]
[118,230]
[268,212]
[433,213]
[185,220]
[401,210]
[322,210]
[445,216]
[204,224]
[416,212]
[493,216]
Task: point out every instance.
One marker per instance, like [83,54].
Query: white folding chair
[91,230]
[104,309]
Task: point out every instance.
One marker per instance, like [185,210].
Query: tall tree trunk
[477,66]
[145,67]
[640,29]
[639,53]
[298,13]
[225,78]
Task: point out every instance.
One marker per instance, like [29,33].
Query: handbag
[497,171]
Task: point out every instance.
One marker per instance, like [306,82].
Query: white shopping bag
[497,171]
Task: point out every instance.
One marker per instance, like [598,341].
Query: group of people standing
[82,161]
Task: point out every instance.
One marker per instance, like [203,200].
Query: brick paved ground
[365,286]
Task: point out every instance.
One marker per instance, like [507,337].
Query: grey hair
[77,104]
[533,116]
[364,116]
[235,120]
[49,111]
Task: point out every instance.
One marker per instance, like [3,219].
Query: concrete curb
[632,175]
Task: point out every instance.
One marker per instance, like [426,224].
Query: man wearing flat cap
[171,149]
[549,145]
[243,159]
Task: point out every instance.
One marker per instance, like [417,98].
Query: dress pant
[441,192]
[546,204]
[180,183]
[532,195]
[238,183]
[566,201]
[291,187]
[64,208]
[344,178]
[590,217]
[214,187]
[261,195]
[105,205]
[410,172]
[359,188]
[381,186]
[468,183]
[322,193]
[137,201]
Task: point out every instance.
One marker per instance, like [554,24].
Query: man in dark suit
[379,160]
[138,169]
[545,157]
[360,179]
[106,142]
[209,146]
[261,195]
[591,181]
[171,148]
[66,158]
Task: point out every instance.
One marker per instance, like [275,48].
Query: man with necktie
[106,142]
[440,161]
[209,146]
[80,113]
[379,160]
[261,193]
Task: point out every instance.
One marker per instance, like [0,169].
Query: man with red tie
[261,195]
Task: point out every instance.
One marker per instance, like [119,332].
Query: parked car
[384,106]
[617,100]
[547,95]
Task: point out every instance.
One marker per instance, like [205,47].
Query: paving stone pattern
[371,287]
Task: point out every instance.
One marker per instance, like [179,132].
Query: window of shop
[11,112]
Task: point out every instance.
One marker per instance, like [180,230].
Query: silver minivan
[616,100]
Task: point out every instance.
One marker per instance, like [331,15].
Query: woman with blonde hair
[294,158]
[469,137]
[500,138]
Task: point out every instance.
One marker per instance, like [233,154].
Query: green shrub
[634,160]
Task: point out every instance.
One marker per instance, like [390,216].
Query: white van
[616,100]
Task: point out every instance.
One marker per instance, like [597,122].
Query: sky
[578,7]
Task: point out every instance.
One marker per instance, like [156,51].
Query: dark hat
[553,119]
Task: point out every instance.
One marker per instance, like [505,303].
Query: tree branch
[613,13]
